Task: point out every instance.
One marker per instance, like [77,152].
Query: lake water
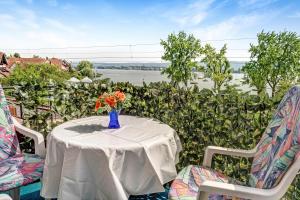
[137,77]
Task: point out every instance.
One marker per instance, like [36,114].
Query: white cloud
[28,18]
[26,29]
[201,5]
[198,18]
[53,3]
[6,17]
[47,38]
[192,14]
[255,3]
[57,25]
[9,22]
[68,7]
[228,28]
[7,1]
[245,25]
[295,15]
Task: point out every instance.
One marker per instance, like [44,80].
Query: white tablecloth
[85,160]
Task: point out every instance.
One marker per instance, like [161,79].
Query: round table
[86,160]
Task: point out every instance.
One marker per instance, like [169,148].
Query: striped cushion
[9,145]
[16,169]
[186,185]
[277,150]
[20,170]
[279,145]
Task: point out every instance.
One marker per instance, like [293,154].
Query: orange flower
[111,101]
[120,96]
[98,104]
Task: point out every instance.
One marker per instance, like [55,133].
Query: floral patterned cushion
[279,145]
[9,145]
[20,170]
[278,148]
[186,185]
[16,169]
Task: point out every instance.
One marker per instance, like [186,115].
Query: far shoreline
[147,69]
[150,66]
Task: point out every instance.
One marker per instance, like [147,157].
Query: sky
[131,30]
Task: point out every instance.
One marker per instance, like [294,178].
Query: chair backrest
[279,146]
[9,144]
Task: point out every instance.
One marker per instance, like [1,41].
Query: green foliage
[40,103]
[217,66]
[181,50]
[201,118]
[224,117]
[31,98]
[229,118]
[17,55]
[294,190]
[78,100]
[36,74]
[85,68]
[255,76]
[274,61]
[33,89]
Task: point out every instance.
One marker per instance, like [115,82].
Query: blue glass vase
[113,119]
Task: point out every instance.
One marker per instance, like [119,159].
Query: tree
[181,50]
[86,68]
[255,76]
[274,61]
[217,66]
[36,74]
[17,55]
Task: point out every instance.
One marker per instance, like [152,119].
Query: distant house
[12,62]
[62,64]
[7,64]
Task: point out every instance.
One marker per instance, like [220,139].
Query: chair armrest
[5,197]
[213,187]
[38,138]
[211,150]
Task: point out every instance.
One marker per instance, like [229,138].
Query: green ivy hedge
[229,118]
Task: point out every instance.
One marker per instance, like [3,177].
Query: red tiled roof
[12,61]
[55,61]
[58,62]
